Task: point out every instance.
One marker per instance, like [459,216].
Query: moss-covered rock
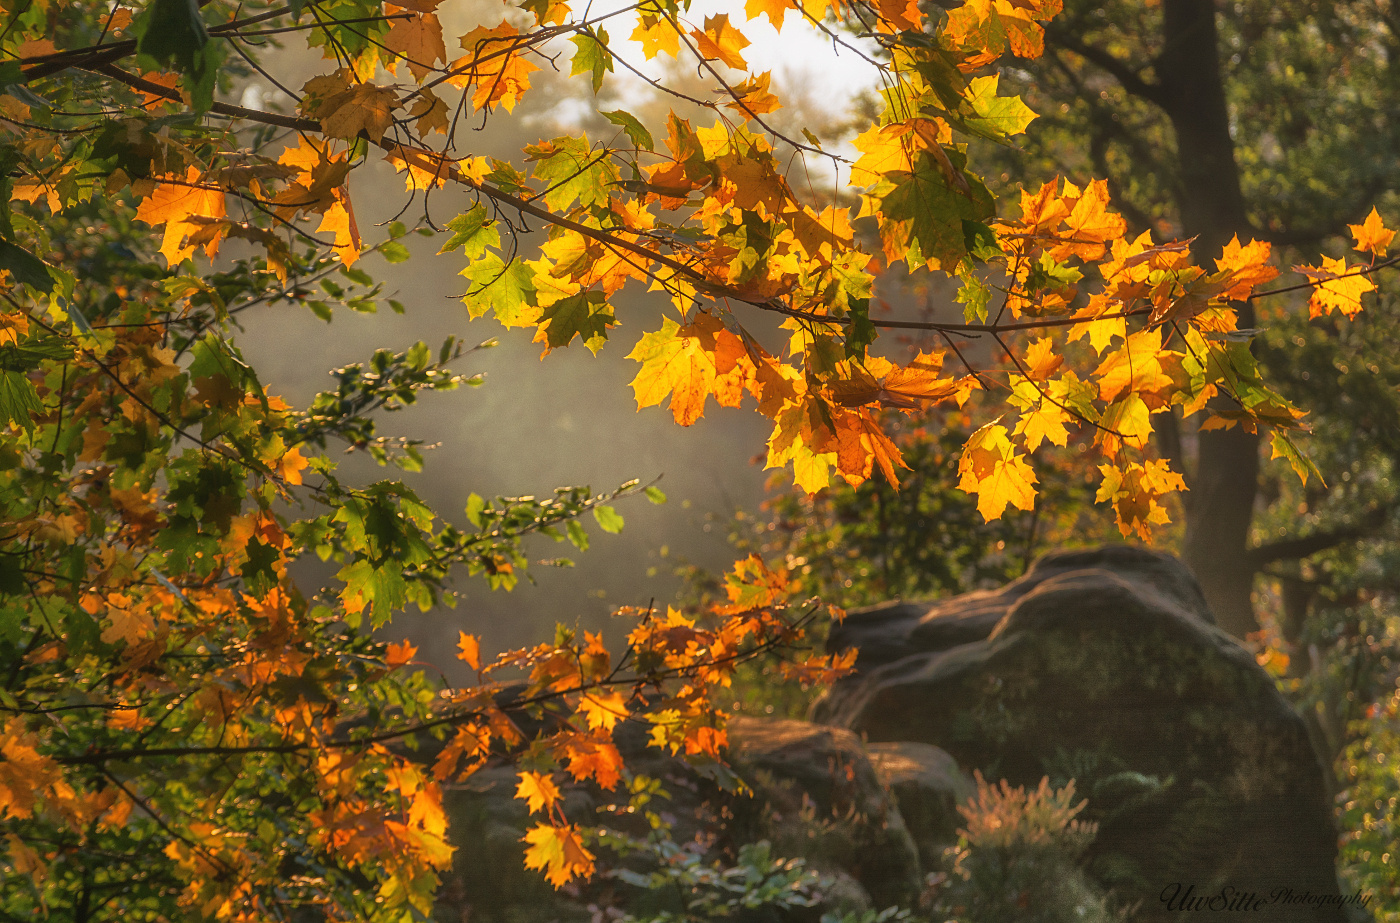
[1106,667]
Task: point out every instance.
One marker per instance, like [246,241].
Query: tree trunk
[1221,502]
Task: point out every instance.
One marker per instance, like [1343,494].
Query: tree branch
[1130,79]
[1292,549]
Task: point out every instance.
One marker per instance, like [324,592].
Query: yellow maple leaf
[1335,287]
[1371,235]
[1136,492]
[719,41]
[775,10]
[685,362]
[559,851]
[657,34]
[537,790]
[174,203]
[991,469]
[1041,418]
[603,709]
[1127,421]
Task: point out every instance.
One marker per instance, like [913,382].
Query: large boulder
[1105,666]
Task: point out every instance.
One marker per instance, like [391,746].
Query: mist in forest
[532,425]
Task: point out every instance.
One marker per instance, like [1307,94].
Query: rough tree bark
[1220,504]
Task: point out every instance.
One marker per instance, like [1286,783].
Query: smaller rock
[817,796]
[929,786]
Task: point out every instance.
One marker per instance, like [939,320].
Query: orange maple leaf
[720,41]
[494,64]
[398,654]
[418,42]
[174,202]
[1248,267]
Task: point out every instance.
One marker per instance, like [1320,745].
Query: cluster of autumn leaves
[154,589]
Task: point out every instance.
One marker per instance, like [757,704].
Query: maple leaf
[586,315]
[921,213]
[1126,421]
[345,108]
[603,710]
[501,74]
[1136,492]
[1372,236]
[775,10]
[1041,417]
[999,117]
[899,15]
[130,623]
[593,757]
[174,204]
[991,469]
[657,34]
[753,97]
[398,654]
[1281,446]
[469,650]
[419,43]
[686,363]
[720,41]
[339,220]
[1089,224]
[1248,267]
[559,852]
[537,790]
[1335,288]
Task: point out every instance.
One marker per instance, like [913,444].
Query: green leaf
[586,315]
[508,290]
[577,535]
[974,296]
[572,171]
[922,214]
[655,495]
[473,231]
[995,117]
[592,56]
[861,332]
[475,505]
[173,31]
[1283,447]
[19,402]
[634,128]
[608,518]
[25,267]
